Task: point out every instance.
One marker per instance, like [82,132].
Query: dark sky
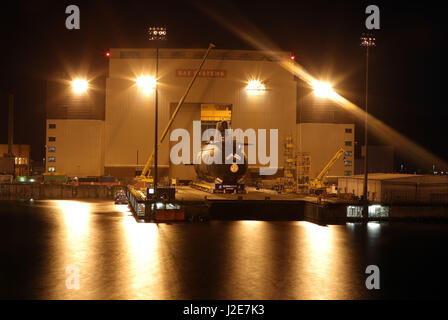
[407,66]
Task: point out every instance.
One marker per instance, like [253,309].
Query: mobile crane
[317,185]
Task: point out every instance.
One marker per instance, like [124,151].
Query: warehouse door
[209,115]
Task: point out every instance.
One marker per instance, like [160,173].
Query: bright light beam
[253,36]
[323,90]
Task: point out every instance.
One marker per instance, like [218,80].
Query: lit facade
[322,141]
[248,88]
[75,147]
[223,81]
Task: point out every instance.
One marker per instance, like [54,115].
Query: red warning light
[108,54]
[293,57]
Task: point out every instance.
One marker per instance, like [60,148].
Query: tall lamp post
[156,34]
[367,41]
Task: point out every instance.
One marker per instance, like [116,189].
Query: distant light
[255,85]
[293,57]
[367,40]
[146,83]
[150,190]
[108,54]
[79,86]
[157,33]
[323,89]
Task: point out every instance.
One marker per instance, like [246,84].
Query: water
[118,258]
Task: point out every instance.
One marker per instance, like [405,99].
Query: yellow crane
[146,172]
[317,185]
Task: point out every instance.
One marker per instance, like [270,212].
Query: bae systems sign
[206,73]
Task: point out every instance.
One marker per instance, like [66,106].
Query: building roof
[215,54]
[402,178]
[384,176]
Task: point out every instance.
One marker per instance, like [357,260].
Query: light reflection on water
[119,258]
[144,270]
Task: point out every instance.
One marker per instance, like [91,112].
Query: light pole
[367,41]
[156,34]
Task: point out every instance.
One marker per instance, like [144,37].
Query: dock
[260,204]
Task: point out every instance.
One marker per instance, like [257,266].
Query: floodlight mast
[367,41]
[156,34]
[146,172]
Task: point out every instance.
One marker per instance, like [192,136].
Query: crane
[317,185]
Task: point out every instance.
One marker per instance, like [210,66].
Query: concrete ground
[187,193]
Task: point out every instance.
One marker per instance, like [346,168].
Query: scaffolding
[289,165]
[303,169]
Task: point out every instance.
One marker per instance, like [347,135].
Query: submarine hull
[211,169]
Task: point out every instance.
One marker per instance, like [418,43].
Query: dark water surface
[118,258]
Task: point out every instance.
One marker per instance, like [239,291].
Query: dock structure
[262,204]
[270,205]
[153,210]
[258,205]
[137,201]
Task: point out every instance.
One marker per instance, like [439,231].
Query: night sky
[407,65]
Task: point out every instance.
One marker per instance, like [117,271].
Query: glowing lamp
[146,83]
[79,86]
[255,85]
[323,89]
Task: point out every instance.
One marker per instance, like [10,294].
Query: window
[20,160]
[348,173]
[51,149]
[52,125]
[348,130]
[51,159]
[51,169]
[348,153]
[346,163]
[348,143]
[51,138]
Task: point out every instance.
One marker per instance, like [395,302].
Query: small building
[396,188]
[74,127]
[21,162]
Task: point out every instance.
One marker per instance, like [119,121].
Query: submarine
[221,173]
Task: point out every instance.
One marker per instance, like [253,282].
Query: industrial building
[396,188]
[19,163]
[109,130]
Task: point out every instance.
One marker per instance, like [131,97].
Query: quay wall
[53,191]
[418,211]
[281,210]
